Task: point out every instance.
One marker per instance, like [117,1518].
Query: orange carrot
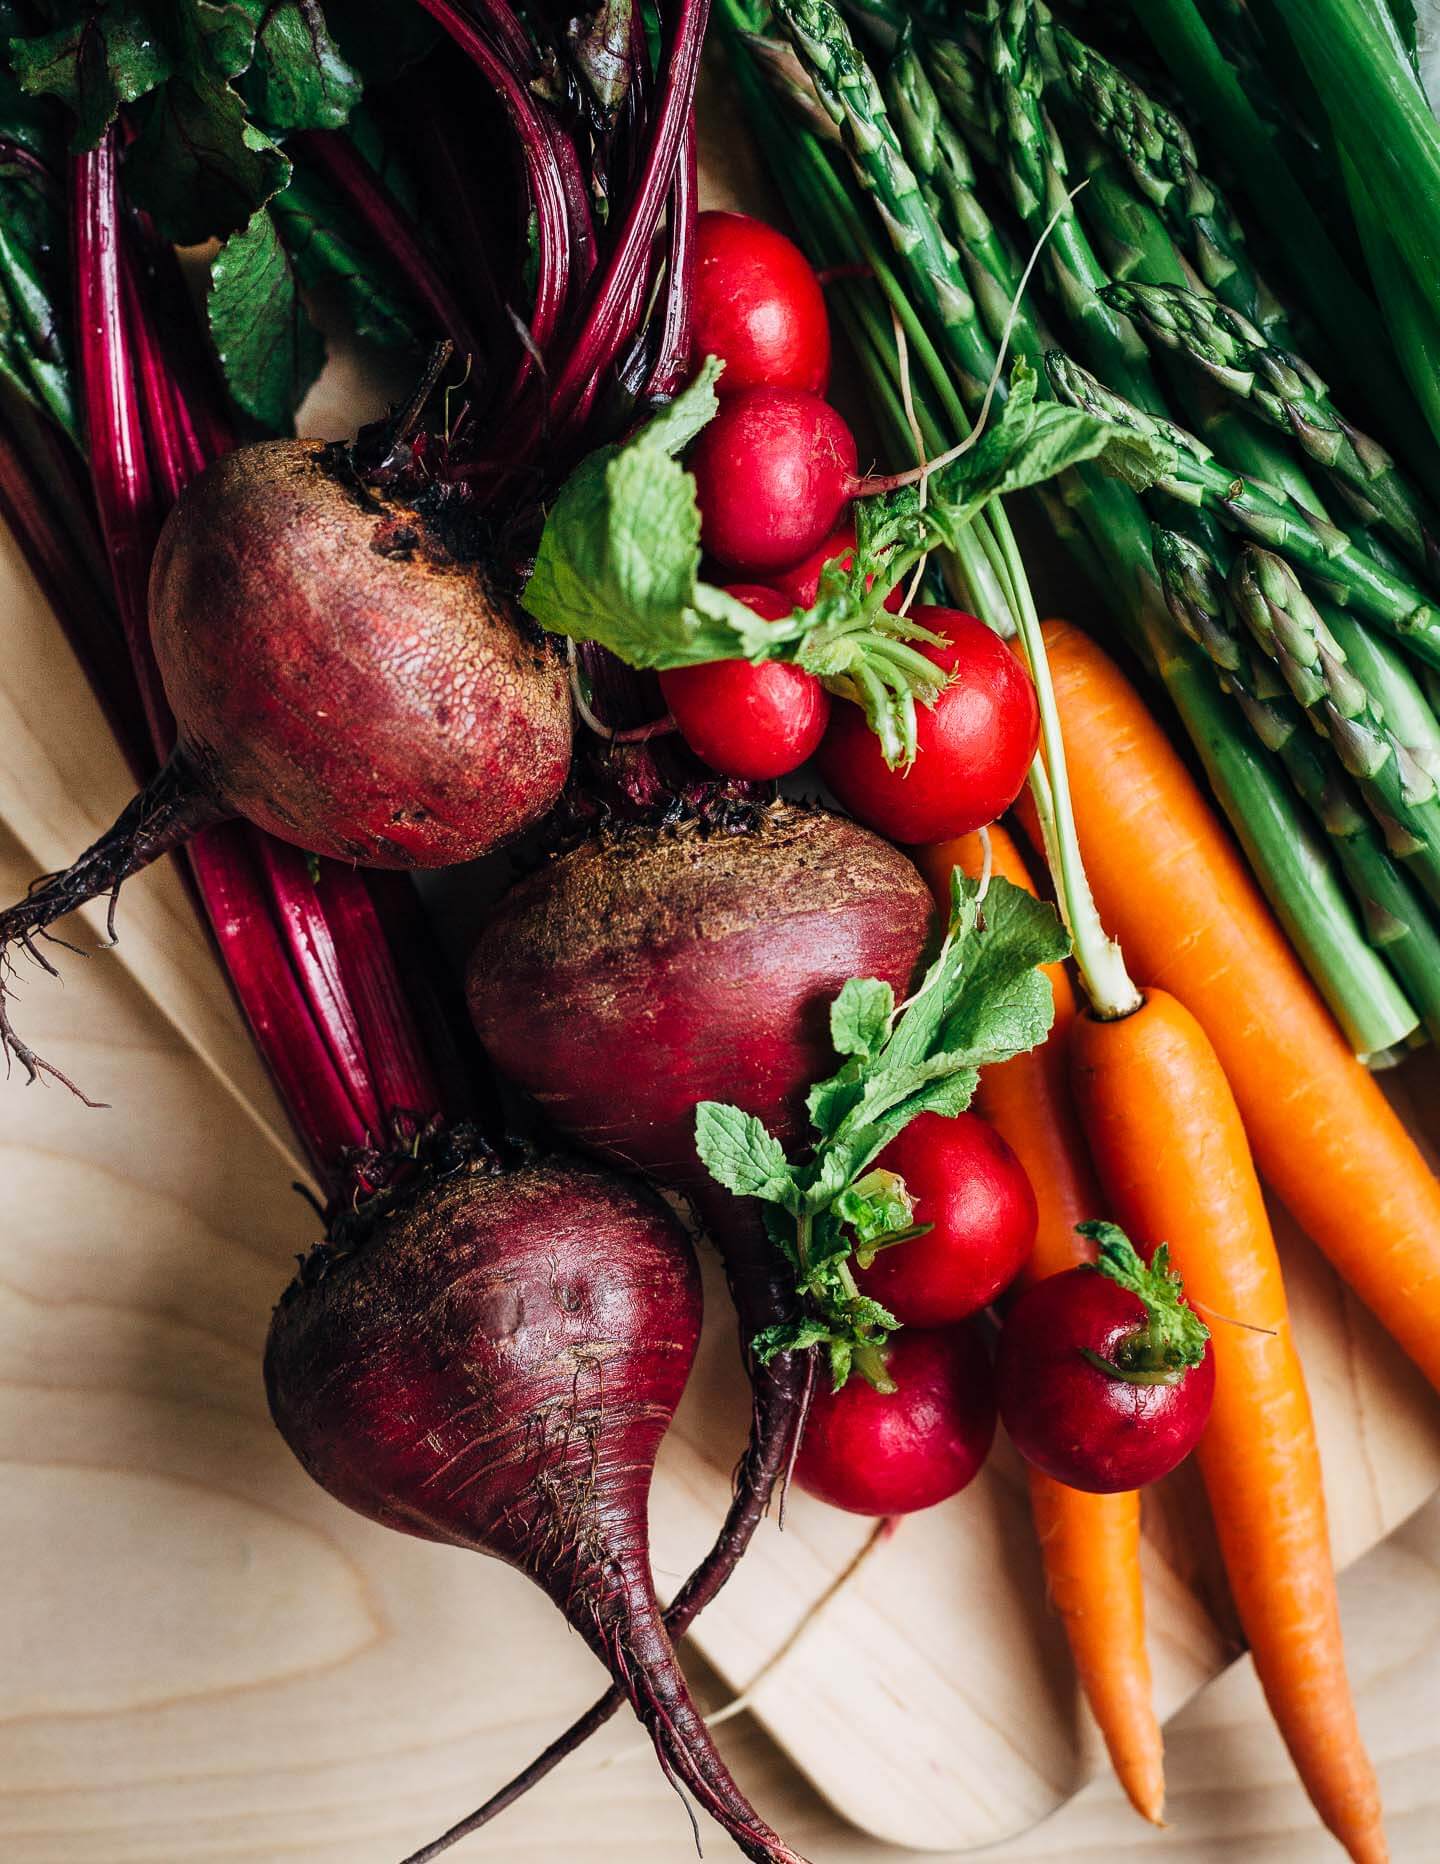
[1169,1145]
[1090,1544]
[1028,1099]
[1173,888]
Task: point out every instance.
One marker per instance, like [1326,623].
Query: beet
[491,1363]
[648,969]
[337,678]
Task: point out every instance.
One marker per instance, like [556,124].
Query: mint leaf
[860,1016]
[268,348]
[107,55]
[1033,441]
[619,560]
[737,1151]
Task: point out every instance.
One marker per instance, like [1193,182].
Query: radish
[969,1187]
[1105,1373]
[749,719]
[491,1363]
[891,1452]
[973,746]
[338,678]
[800,582]
[773,472]
[648,969]
[758,306]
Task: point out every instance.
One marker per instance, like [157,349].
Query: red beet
[337,678]
[970,1187]
[974,744]
[647,970]
[754,720]
[773,472]
[758,305]
[492,1365]
[887,1453]
[1088,1427]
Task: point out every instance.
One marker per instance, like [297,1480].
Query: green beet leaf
[99,58]
[297,78]
[267,346]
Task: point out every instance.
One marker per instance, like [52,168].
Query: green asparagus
[1395,916]
[1196,478]
[1291,631]
[1285,391]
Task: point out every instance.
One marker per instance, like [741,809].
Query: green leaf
[739,1153]
[619,560]
[298,79]
[198,164]
[1006,1005]
[600,47]
[875,1206]
[105,56]
[1172,1337]
[860,1016]
[329,253]
[267,347]
[1033,441]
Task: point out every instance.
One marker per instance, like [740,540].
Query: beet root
[493,1365]
[338,679]
[647,970]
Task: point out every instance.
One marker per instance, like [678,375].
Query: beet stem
[778,1403]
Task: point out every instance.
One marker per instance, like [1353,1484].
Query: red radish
[758,306]
[773,472]
[649,969]
[1106,1376]
[887,1453]
[748,720]
[965,1181]
[801,581]
[337,678]
[975,744]
[491,1363]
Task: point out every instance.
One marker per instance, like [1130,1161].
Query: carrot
[1090,1544]
[1173,888]
[1170,1147]
[1028,1099]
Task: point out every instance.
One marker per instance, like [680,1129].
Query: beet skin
[493,1365]
[342,681]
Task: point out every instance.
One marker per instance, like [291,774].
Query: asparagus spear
[1293,866]
[1035,166]
[1285,391]
[1157,150]
[1396,920]
[1360,582]
[1291,631]
[847,90]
